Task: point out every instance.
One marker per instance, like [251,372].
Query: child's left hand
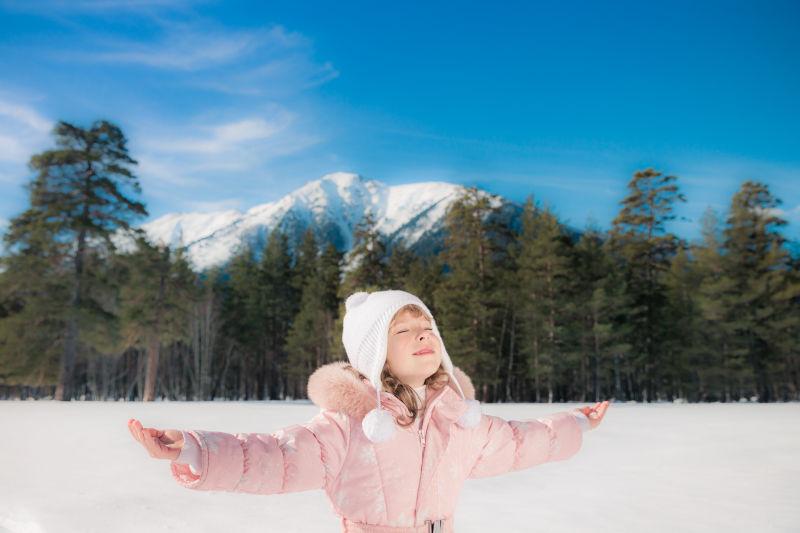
[595,413]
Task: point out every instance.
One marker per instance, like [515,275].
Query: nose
[423,334]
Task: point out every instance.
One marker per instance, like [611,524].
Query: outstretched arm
[299,457]
[504,446]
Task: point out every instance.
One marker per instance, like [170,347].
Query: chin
[433,364]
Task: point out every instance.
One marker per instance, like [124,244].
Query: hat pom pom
[472,416]
[378,425]
[355,299]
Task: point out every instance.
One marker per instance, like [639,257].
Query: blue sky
[233,104]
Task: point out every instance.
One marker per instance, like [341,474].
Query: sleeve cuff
[190,454]
[583,421]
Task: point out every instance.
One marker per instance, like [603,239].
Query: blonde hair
[405,393]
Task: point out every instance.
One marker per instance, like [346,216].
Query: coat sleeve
[508,445]
[296,458]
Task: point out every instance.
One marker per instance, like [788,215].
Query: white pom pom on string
[378,425]
[472,416]
[355,299]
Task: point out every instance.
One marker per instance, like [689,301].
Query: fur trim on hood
[333,387]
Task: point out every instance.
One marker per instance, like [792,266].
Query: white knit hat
[365,336]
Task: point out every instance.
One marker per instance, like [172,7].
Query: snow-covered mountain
[332,205]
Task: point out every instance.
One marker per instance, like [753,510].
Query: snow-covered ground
[73,467]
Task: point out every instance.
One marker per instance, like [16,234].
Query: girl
[398,431]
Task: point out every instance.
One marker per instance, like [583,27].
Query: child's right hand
[160,444]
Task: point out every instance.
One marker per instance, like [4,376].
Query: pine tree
[598,302]
[79,195]
[398,266]
[305,263]
[241,314]
[787,328]
[206,340]
[311,337]
[718,367]
[464,299]
[681,352]
[367,258]
[156,301]
[762,291]
[644,250]
[278,304]
[543,280]
[34,298]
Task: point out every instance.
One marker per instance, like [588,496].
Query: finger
[135,430]
[156,435]
[132,432]
[138,427]
[164,452]
[152,447]
[152,433]
[153,440]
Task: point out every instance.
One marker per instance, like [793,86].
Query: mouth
[424,351]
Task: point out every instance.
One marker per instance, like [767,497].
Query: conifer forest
[532,311]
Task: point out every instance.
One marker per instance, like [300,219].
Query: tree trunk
[536,384]
[67,362]
[153,352]
[154,346]
[509,397]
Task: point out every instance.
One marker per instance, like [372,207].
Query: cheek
[394,353]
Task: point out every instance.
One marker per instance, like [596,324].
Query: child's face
[408,335]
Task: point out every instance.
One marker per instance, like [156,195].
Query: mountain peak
[342,179]
[332,205]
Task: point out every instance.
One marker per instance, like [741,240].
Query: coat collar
[333,387]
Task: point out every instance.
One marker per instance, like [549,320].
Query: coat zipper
[421,434]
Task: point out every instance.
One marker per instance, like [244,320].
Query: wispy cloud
[198,155]
[193,47]
[26,116]
[225,137]
[267,60]
[271,132]
[23,130]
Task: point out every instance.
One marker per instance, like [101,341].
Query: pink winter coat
[396,486]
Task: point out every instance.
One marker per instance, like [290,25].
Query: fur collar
[332,387]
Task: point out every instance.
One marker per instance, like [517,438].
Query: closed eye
[405,330]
